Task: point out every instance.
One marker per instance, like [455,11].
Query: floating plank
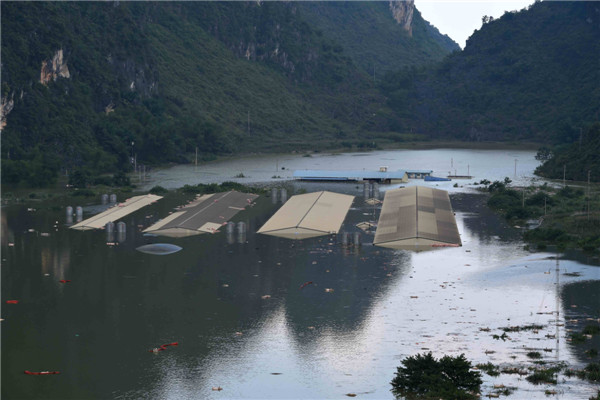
[416,218]
[309,215]
[205,215]
[117,212]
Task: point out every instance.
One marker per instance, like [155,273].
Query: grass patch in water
[489,368]
[532,327]
[534,355]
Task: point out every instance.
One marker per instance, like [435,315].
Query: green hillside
[573,161]
[160,79]
[531,75]
[374,39]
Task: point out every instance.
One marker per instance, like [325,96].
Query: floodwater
[249,325]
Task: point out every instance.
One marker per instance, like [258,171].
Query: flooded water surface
[241,315]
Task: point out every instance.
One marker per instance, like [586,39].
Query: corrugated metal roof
[416,218]
[309,215]
[117,212]
[348,175]
[205,215]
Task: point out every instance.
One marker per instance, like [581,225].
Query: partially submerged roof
[309,215]
[328,175]
[416,218]
[205,215]
[117,212]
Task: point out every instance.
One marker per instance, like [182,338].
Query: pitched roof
[309,215]
[117,212]
[416,218]
[205,215]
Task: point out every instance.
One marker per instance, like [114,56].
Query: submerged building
[309,215]
[206,214]
[417,218]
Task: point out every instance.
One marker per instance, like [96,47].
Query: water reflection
[243,322]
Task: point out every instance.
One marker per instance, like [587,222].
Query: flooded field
[247,324]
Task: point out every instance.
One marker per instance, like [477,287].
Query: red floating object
[163,347]
[42,373]
[305,284]
[12,301]
[64,281]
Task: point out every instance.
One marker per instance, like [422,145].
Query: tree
[422,376]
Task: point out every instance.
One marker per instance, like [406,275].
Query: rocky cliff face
[6,106]
[53,68]
[403,11]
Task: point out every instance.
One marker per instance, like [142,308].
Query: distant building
[383,175]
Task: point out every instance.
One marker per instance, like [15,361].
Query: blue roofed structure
[383,175]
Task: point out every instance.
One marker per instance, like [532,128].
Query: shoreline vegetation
[566,217]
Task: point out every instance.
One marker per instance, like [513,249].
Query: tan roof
[416,218]
[309,215]
[117,212]
[205,215]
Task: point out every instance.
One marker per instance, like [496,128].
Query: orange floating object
[12,301]
[64,281]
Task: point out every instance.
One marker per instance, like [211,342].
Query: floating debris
[65,281]
[217,388]
[42,373]
[163,347]
[305,284]
[266,296]
[328,290]
[12,301]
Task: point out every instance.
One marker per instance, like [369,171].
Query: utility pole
[515,167]
[248,122]
[588,195]
[564,173]
[196,156]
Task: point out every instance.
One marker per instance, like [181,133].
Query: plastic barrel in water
[79,213]
[104,199]
[113,198]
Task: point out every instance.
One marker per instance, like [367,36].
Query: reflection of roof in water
[117,212]
[159,249]
[309,215]
[416,218]
[205,215]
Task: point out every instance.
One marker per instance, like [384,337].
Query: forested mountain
[376,39]
[532,75]
[89,84]
[573,161]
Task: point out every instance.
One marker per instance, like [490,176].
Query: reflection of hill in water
[482,223]
[581,307]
